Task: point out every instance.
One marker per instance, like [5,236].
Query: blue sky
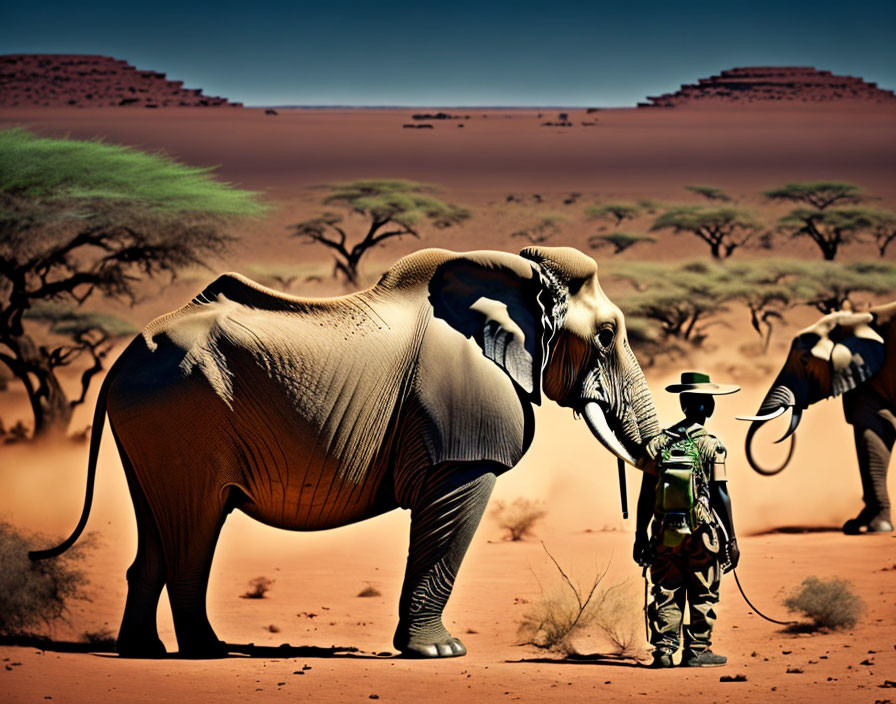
[457,52]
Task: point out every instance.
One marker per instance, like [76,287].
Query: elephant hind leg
[189,546]
[139,635]
[873,447]
[444,518]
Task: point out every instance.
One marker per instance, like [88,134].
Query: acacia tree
[818,194]
[766,288]
[620,241]
[831,228]
[617,212]
[883,230]
[724,228]
[681,300]
[80,218]
[828,286]
[543,230]
[710,193]
[393,208]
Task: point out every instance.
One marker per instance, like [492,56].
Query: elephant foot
[423,642]
[862,523]
[144,648]
[208,650]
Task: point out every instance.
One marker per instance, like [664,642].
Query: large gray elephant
[853,354]
[308,414]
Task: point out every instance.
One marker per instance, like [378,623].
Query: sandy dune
[627,154]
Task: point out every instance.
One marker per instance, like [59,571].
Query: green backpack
[678,487]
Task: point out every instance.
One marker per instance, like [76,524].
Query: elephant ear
[855,351]
[495,301]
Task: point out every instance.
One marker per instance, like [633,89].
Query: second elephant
[853,354]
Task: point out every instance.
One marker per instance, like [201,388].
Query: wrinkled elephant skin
[308,414]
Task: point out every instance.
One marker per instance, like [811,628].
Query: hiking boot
[661,658]
[704,658]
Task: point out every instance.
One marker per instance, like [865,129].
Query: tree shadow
[582,659]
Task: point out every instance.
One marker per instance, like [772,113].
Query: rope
[758,612]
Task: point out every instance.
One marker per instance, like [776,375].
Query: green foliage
[67,320]
[831,228]
[83,171]
[620,241]
[829,604]
[618,212]
[547,225]
[883,229]
[723,228]
[32,593]
[402,202]
[394,208]
[679,302]
[85,217]
[680,299]
[828,286]
[818,194]
[283,276]
[710,192]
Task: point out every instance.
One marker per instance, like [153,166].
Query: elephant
[853,354]
[308,414]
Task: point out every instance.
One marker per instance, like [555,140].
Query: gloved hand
[732,555]
[642,553]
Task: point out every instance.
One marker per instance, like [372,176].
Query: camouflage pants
[689,572]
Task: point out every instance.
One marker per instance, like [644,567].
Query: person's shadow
[583,659]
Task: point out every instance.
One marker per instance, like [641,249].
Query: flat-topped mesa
[83,80]
[769,84]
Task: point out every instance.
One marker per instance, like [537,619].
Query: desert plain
[507,168]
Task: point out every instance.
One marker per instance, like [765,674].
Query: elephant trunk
[632,413]
[776,402]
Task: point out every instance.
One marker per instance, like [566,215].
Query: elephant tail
[96,434]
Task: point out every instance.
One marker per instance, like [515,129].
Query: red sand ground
[628,154]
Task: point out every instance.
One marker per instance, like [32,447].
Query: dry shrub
[519,517]
[369,590]
[570,611]
[103,638]
[258,587]
[36,592]
[829,604]
[621,617]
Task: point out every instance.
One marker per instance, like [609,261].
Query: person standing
[691,542]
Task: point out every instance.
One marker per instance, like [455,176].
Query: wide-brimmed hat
[699,383]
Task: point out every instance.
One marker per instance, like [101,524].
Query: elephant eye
[606,335]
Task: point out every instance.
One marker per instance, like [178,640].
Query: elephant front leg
[444,518]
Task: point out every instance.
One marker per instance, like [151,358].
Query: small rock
[794,670]
[733,678]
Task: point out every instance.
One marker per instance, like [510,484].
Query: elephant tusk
[597,423]
[768,416]
[794,422]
